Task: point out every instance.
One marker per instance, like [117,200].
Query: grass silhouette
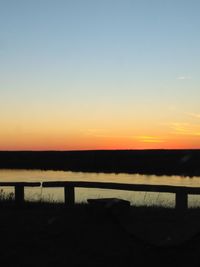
[48,234]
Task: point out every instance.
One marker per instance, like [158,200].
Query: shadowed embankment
[40,234]
[160,162]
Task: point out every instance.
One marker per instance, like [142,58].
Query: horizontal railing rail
[23,184]
[124,186]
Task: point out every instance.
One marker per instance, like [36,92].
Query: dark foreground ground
[160,162]
[51,235]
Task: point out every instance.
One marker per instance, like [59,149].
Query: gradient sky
[107,74]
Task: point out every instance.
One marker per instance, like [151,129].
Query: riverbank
[159,162]
[41,234]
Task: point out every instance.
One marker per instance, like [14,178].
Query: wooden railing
[181,193]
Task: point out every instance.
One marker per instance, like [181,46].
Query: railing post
[19,194]
[69,195]
[181,201]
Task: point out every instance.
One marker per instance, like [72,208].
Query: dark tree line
[169,162]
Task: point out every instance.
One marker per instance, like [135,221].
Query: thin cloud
[184,78]
[187,129]
[194,115]
[149,139]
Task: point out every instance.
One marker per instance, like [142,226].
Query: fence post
[19,194]
[69,195]
[181,200]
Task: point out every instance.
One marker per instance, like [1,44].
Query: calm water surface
[136,198]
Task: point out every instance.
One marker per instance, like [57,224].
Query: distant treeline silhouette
[160,162]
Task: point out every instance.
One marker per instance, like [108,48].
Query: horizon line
[93,150]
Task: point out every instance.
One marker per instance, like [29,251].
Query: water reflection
[136,198]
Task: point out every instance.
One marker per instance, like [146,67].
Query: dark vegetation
[160,162]
[49,234]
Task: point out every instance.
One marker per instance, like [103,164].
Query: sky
[90,74]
